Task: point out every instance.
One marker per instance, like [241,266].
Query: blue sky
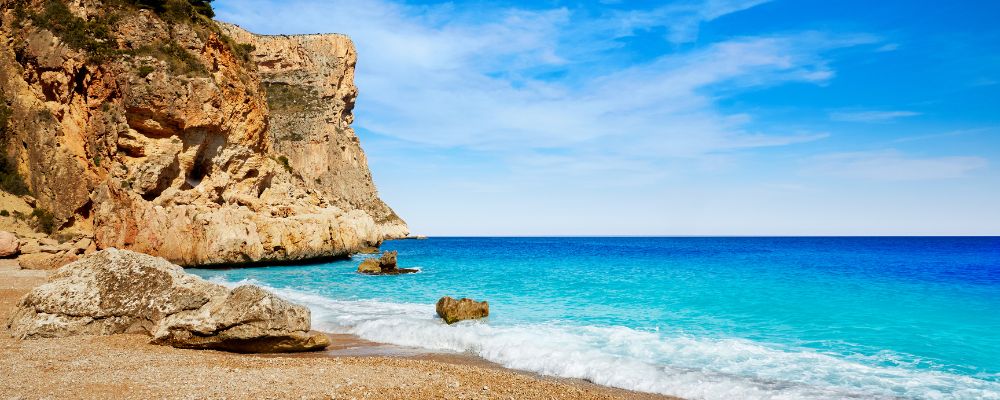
[711,117]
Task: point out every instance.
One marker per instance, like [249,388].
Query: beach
[127,366]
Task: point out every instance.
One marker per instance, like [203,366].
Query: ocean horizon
[697,317]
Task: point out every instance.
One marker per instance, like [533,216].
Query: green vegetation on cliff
[177,9]
[10,180]
[94,35]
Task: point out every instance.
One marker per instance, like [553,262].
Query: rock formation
[117,291]
[164,135]
[384,265]
[452,311]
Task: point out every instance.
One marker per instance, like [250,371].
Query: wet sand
[127,366]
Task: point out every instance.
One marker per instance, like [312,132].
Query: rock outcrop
[383,265]
[117,291]
[38,251]
[168,137]
[452,311]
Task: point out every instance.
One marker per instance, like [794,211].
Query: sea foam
[647,361]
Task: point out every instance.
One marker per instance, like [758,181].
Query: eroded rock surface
[118,291]
[452,310]
[182,147]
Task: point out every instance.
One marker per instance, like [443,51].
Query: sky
[701,117]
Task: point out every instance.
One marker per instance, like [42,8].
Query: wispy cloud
[489,85]
[948,134]
[870,116]
[682,21]
[893,165]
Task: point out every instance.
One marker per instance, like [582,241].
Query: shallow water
[711,318]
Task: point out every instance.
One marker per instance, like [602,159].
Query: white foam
[689,367]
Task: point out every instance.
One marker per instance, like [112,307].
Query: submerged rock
[384,265]
[452,310]
[117,291]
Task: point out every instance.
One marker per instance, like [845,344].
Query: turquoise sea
[700,318]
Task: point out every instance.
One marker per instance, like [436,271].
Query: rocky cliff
[160,131]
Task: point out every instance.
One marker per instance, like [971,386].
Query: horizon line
[700,236]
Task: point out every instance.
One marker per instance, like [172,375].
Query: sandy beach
[126,366]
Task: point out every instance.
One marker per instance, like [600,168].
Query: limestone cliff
[156,131]
[309,80]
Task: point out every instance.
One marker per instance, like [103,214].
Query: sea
[694,317]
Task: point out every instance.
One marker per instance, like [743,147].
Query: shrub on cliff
[44,221]
[177,10]
[179,60]
[93,37]
[10,180]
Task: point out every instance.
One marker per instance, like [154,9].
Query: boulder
[45,261]
[384,265]
[243,321]
[452,310]
[117,291]
[10,246]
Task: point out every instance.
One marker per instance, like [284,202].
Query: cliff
[160,131]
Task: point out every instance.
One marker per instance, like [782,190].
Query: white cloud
[435,76]
[893,165]
[870,116]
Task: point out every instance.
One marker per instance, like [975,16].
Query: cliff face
[309,81]
[167,138]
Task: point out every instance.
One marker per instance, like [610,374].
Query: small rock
[384,265]
[10,246]
[370,266]
[48,242]
[452,310]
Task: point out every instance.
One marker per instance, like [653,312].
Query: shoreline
[127,366]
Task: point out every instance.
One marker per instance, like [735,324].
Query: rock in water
[452,310]
[9,245]
[384,265]
[388,260]
[117,291]
[370,266]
